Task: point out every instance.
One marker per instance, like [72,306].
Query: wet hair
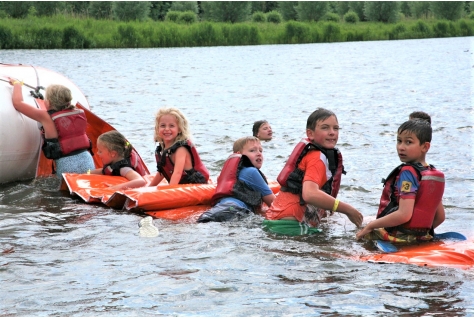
[319,115]
[421,128]
[257,125]
[115,141]
[59,97]
[420,115]
[183,125]
[241,142]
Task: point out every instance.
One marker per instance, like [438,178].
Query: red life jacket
[291,177]
[132,162]
[428,197]
[71,126]
[196,175]
[229,185]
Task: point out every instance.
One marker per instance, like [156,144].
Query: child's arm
[440,215]
[135,180]
[97,171]
[314,196]
[179,161]
[398,217]
[156,180]
[268,199]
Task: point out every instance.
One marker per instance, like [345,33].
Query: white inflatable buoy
[20,139]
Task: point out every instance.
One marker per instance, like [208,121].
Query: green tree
[383,11]
[450,10]
[159,9]
[420,9]
[131,10]
[49,8]
[226,11]
[263,6]
[17,9]
[342,7]
[100,9]
[184,6]
[78,7]
[405,8]
[287,10]
[311,10]
[358,7]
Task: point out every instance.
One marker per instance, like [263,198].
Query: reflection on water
[61,257]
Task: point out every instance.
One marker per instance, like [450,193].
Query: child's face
[253,150]
[326,133]
[265,132]
[106,156]
[409,149]
[168,129]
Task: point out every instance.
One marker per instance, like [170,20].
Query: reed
[69,32]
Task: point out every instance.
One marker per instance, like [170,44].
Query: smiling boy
[241,186]
[411,204]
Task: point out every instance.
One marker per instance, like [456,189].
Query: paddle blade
[385,246]
[450,235]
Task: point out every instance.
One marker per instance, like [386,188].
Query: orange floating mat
[435,254]
[190,213]
[168,197]
[95,188]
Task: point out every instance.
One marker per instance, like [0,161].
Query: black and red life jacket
[429,195]
[229,185]
[72,139]
[196,175]
[291,177]
[132,162]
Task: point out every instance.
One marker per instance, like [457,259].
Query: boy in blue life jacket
[411,205]
[241,186]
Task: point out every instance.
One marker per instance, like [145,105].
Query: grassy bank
[61,32]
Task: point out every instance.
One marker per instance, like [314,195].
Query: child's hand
[355,217]
[367,229]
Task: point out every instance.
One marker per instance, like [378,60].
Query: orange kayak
[433,254]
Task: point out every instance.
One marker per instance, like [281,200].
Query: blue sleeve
[251,177]
[407,184]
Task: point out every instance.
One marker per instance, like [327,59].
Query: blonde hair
[115,141]
[241,142]
[183,125]
[59,97]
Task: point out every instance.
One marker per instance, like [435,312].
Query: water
[62,257]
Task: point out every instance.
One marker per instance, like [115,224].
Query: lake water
[62,257]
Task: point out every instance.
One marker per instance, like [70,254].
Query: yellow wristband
[336,204]
[16,82]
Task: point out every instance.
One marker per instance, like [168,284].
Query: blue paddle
[388,247]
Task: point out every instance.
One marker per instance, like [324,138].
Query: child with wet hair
[262,130]
[115,152]
[241,186]
[310,181]
[420,115]
[411,204]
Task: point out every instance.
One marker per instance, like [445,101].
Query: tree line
[241,11]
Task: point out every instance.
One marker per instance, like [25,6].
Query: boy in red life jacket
[411,204]
[241,186]
[310,181]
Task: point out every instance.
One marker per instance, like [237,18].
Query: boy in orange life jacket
[241,187]
[411,205]
[310,181]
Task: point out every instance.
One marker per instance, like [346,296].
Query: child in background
[63,126]
[176,157]
[241,186]
[420,115]
[310,181]
[411,204]
[115,152]
[262,130]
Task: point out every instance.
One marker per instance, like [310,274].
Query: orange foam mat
[435,254]
[189,213]
[168,197]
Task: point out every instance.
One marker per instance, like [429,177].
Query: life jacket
[72,139]
[428,197]
[291,177]
[196,175]
[132,162]
[229,185]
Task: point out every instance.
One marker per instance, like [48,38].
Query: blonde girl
[177,159]
[115,152]
[63,127]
